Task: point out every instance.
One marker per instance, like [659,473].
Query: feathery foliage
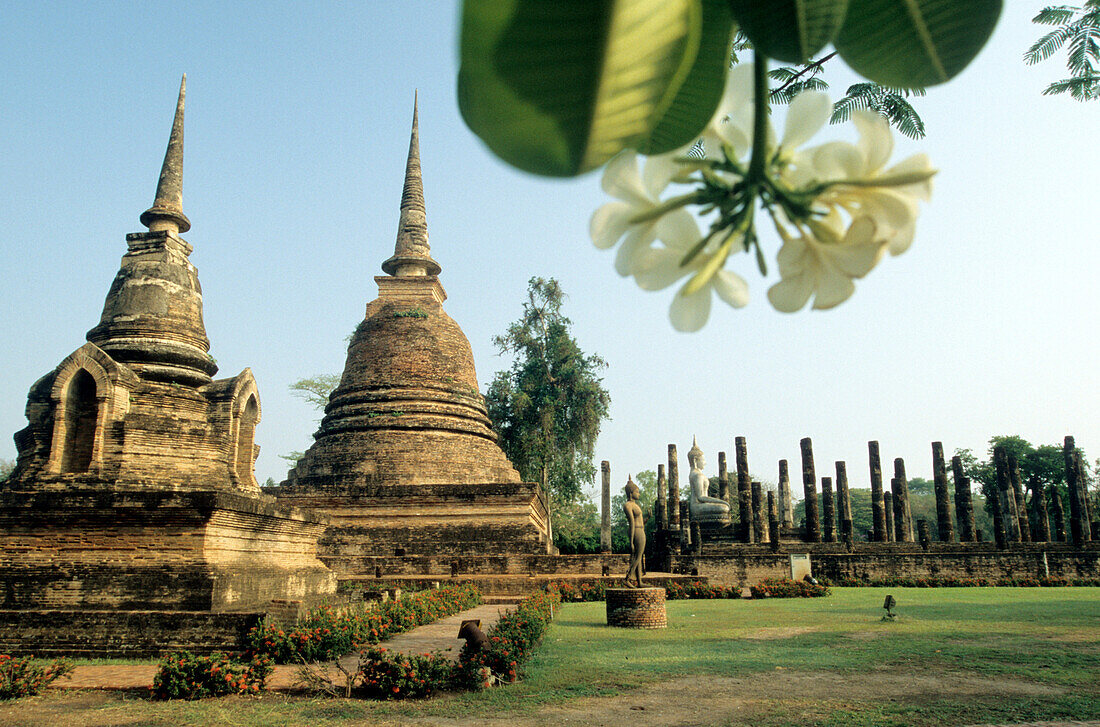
[549,406]
[888,102]
[1079,27]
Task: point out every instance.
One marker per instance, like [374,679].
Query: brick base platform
[636,608]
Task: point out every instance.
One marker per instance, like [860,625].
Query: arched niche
[246,440]
[81,418]
[84,397]
[246,413]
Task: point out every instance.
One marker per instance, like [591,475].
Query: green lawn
[954,656]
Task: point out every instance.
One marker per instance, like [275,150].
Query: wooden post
[943,505]
[809,487]
[964,503]
[786,509]
[1018,498]
[661,514]
[888,517]
[828,511]
[723,478]
[904,523]
[1040,519]
[878,504]
[673,490]
[744,489]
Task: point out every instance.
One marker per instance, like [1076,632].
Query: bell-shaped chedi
[405,457]
[132,521]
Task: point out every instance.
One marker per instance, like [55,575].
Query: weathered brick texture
[636,608]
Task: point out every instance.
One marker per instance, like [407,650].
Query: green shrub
[510,642]
[326,633]
[957,582]
[390,675]
[19,677]
[677,590]
[182,675]
[787,588]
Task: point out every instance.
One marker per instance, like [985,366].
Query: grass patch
[954,656]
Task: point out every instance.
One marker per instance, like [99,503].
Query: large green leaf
[789,30]
[693,106]
[915,43]
[557,87]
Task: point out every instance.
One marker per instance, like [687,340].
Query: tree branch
[809,66]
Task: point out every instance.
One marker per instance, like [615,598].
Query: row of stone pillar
[762,515]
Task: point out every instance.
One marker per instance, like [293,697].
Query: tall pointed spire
[167,210]
[412,255]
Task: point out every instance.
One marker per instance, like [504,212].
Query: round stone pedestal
[636,608]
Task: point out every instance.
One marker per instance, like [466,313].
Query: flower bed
[675,590]
[786,588]
[954,582]
[326,633]
[182,675]
[19,677]
[510,643]
[390,675]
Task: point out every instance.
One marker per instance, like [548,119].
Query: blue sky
[297,130]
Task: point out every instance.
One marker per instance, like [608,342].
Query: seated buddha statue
[704,509]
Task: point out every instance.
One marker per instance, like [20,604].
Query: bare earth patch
[780,632]
[685,701]
[716,700]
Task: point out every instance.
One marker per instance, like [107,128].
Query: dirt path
[680,702]
[716,700]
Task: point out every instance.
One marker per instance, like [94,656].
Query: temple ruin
[406,463]
[132,521]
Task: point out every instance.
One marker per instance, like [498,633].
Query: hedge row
[953,582]
[182,675]
[20,677]
[326,633]
[676,590]
[389,675]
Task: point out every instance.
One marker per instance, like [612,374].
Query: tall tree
[316,390]
[1043,464]
[549,405]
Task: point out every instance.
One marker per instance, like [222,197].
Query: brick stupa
[406,461]
[132,522]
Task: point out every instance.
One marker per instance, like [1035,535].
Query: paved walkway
[439,636]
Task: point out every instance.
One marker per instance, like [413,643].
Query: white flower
[823,264]
[733,119]
[860,186]
[639,195]
[659,268]
[689,311]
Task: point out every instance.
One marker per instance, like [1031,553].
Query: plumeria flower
[639,196]
[858,183]
[659,268]
[823,261]
[732,120]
